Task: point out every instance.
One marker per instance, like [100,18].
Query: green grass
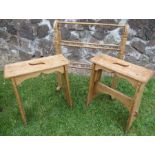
[48,113]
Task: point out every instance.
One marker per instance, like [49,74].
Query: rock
[131,59]
[4,34]
[151,43]
[91,39]
[84,34]
[35,21]
[107,21]
[3,57]
[5,22]
[51,22]
[131,33]
[8,56]
[150,51]
[24,56]
[71,27]
[74,54]
[26,31]
[12,30]
[150,66]
[144,28]
[144,59]
[42,31]
[13,40]
[153,60]
[74,35]
[65,33]
[99,34]
[134,54]
[131,55]
[113,37]
[3,44]
[26,46]
[45,44]
[139,45]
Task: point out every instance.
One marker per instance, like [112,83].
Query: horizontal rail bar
[126,101]
[88,46]
[93,24]
[77,42]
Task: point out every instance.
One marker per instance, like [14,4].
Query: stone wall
[25,39]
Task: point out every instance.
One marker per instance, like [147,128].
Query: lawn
[48,113]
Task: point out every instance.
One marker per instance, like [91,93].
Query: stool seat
[34,65]
[122,67]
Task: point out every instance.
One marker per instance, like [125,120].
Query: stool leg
[19,102]
[136,104]
[98,75]
[91,85]
[66,86]
[59,81]
[114,83]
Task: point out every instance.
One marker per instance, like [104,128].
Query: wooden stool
[136,75]
[18,72]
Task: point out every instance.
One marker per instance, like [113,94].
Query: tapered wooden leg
[98,75]
[91,85]
[114,83]
[136,104]
[19,102]
[59,81]
[66,86]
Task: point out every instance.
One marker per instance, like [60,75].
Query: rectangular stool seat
[34,65]
[124,68]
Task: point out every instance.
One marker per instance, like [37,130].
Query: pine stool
[18,72]
[136,75]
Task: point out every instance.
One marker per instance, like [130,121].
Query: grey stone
[4,44]
[74,54]
[51,22]
[131,59]
[144,59]
[150,52]
[153,60]
[35,21]
[24,56]
[150,66]
[113,37]
[42,31]
[84,34]
[12,29]
[74,35]
[144,28]
[8,56]
[13,40]
[26,31]
[129,49]
[45,47]
[151,43]
[65,33]
[71,27]
[99,34]
[4,34]
[139,45]
[26,46]
[5,22]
